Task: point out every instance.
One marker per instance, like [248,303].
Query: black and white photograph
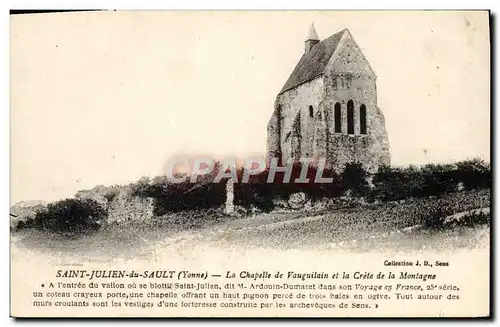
[250,163]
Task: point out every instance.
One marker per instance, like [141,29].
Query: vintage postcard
[250,164]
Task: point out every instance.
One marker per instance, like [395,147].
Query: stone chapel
[328,107]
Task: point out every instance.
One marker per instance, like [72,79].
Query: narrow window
[350,117]
[338,118]
[311,111]
[362,119]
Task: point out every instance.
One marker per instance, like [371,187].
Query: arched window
[350,117]
[311,111]
[338,118]
[362,119]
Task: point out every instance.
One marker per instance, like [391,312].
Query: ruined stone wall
[122,206]
[126,208]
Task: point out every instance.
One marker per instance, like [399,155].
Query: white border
[253,4]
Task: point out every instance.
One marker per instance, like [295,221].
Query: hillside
[387,226]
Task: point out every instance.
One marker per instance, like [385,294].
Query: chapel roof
[314,62]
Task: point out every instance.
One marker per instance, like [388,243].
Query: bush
[188,196]
[435,219]
[69,215]
[473,219]
[142,188]
[260,194]
[392,183]
[474,174]
[174,197]
[256,194]
[438,179]
[354,179]
[389,184]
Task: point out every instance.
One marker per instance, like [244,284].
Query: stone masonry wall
[122,207]
[273,134]
[293,101]
[349,77]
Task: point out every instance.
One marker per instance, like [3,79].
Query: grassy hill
[393,226]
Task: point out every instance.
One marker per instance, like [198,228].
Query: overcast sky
[108,97]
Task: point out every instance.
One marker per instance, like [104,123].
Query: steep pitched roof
[313,63]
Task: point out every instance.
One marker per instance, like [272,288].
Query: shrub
[188,196]
[414,182]
[260,194]
[70,215]
[142,188]
[438,179]
[392,183]
[474,174]
[435,219]
[354,179]
[257,192]
[21,225]
[389,184]
[175,197]
[474,219]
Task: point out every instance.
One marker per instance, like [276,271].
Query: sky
[102,98]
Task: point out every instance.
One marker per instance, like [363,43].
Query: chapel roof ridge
[314,62]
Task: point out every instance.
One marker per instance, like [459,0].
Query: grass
[362,228]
